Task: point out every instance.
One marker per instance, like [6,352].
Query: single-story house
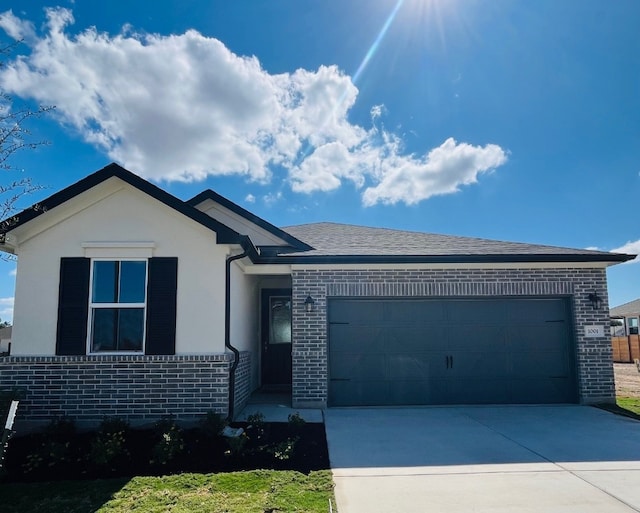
[627,317]
[5,340]
[625,340]
[132,302]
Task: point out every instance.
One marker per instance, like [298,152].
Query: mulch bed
[33,457]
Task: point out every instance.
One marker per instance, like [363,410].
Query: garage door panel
[359,366]
[480,364]
[535,310]
[409,339]
[348,338]
[433,391]
[450,351]
[549,336]
[355,311]
[486,338]
[416,366]
[537,391]
[358,393]
[541,365]
[413,312]
[478,391]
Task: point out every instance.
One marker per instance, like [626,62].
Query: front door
[276,336]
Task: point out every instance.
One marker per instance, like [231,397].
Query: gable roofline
[630,308]
[225,235]
[208,194]
[346,243]
[445,259]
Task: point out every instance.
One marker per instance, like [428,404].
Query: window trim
[92,306]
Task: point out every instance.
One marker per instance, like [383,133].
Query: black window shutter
[162,289]
[73,306]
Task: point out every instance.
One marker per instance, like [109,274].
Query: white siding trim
[118,250]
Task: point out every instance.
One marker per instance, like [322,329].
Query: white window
[117,308]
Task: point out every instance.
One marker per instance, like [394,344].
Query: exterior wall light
[596,300]
[308,304]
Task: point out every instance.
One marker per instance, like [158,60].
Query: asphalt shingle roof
[344,239]
[630,308]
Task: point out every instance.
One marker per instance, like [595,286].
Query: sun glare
[431,18]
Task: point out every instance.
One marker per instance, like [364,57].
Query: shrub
[170,443]
[285,449]
[296,422]
[256,421]
[212,424]
[238,445]
[108,445]
[56,448]
[256,427]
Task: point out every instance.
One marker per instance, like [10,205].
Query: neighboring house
[5,340]
[134,303]
[625,340]
[627,316]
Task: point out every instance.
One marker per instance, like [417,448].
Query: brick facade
[242,381]
[136,388]
[309,352]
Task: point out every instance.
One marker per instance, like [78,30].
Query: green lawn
[629,403]
[235,492]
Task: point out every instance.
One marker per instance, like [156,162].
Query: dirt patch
[627,379]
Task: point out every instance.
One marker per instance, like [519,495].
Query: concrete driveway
[510,459]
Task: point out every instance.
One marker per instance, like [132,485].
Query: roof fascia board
[448,259]
[238,210]
[268,269]
[443,266]
[21,232]
[225,235]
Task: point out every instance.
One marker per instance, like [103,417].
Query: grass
[625,406]
[631,404]
[267,491]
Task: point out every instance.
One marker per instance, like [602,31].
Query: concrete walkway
[511,459]
[279,413]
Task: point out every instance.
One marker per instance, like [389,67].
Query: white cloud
[16,28]
[442,171]
[632,248]
[377,111]
[250,198]
[182,107]
[272,197]
[6,309]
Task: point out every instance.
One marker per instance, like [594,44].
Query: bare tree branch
[15,137]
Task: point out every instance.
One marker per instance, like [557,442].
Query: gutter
[227,331]
[443,259]
[248,250]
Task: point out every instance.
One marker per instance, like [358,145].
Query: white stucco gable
[242,225]
[114,219]
[262,233]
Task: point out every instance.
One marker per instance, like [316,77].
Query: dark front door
[276,336]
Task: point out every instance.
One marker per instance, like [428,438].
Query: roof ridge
[626,304]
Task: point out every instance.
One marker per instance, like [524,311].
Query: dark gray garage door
[450,351]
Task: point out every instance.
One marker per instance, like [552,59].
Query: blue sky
[509,120]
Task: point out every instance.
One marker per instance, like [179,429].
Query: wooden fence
[626,349]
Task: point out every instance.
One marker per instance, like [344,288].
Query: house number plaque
[593,331]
